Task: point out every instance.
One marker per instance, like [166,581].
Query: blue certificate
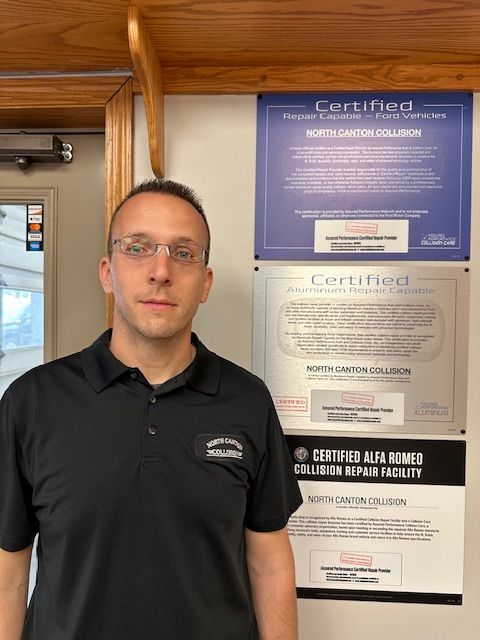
[377,176]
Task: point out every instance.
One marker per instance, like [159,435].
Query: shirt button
[153,399]
[134,375]
[152,429]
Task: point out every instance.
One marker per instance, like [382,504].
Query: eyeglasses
[138,247]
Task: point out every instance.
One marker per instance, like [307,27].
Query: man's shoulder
[240,378]
[235,370]
[54,374]
[44,373]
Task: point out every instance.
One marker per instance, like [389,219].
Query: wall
[210,145]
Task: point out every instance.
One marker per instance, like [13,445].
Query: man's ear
[105,274]
[207,285]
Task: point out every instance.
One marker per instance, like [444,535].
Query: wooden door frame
[83,101]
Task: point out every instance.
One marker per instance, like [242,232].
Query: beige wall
[210,145]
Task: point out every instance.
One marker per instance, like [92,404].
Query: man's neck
[158,359]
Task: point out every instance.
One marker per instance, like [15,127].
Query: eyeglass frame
[162,245]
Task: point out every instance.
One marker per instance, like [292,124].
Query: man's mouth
[158,303]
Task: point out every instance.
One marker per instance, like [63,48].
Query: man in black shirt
[154,471]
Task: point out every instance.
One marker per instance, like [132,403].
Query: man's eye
[182,253]
[135,248]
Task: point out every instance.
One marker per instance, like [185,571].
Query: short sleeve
[17,528]
[275,494]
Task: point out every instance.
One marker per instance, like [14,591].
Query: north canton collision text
[327,368]
[358,500]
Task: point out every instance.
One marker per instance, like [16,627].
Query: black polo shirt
[140,495]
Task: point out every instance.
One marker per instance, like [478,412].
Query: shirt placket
[151,433]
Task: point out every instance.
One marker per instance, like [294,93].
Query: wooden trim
[58,91]
[56,101]
[73,101]
[118,157]
[148,71]
[118,147]
[293,78]
[81,101]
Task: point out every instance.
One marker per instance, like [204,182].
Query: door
[51,302]
[73,199]
[21,292]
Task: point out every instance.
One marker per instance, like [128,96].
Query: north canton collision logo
[221,446]
[224,447]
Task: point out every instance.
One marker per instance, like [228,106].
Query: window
[21,314]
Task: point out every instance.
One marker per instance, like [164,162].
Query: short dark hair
[166,187]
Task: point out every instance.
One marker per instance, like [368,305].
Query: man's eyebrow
[187,239]
[135,234]
[142,234]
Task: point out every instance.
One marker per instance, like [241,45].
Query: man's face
[156,297]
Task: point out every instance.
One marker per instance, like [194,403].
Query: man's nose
[160,265]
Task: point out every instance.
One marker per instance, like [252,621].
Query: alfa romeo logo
[300,454]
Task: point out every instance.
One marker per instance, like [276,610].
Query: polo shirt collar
[204,374]
[101,367]
[99,364]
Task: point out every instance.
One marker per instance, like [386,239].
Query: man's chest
[139,462]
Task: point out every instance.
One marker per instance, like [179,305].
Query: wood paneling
[56,102]
[239,46]
[53,118]
[331,77]
[78,35]
[61,91]
[242,32]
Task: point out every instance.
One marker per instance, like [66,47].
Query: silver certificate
[364,348]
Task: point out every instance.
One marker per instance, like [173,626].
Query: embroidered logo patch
[220,447]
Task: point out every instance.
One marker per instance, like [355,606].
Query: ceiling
[249,46]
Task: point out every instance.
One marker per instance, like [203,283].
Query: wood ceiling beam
[56,101]
[58,90]
[319,77]
[148,71]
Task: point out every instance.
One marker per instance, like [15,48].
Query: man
[154,471]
